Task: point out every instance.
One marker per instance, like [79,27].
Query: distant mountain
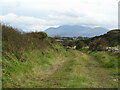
[75,30]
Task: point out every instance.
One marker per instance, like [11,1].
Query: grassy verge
[19,74]
[106,59]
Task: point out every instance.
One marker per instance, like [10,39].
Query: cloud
[25,23]
[37,15]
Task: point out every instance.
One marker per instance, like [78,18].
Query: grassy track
[81,71]
[77,70]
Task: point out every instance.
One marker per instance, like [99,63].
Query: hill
[16,43]
[112,36]
[75,30]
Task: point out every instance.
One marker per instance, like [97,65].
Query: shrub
[38,35]
[80,44]
[71,43]
[98,44]
[16,43]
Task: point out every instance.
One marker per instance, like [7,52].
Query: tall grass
[107,59]
[16,73]
[16,43]
[27,55]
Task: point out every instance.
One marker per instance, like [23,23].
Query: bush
[16,43]
[38,35]
[80,44]
[98,44]
[71,43]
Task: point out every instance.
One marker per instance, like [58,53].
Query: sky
[38,15]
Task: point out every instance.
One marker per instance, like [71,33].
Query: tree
[80,44]
[71,43]
[42,35]
[98,44]
[39,35]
